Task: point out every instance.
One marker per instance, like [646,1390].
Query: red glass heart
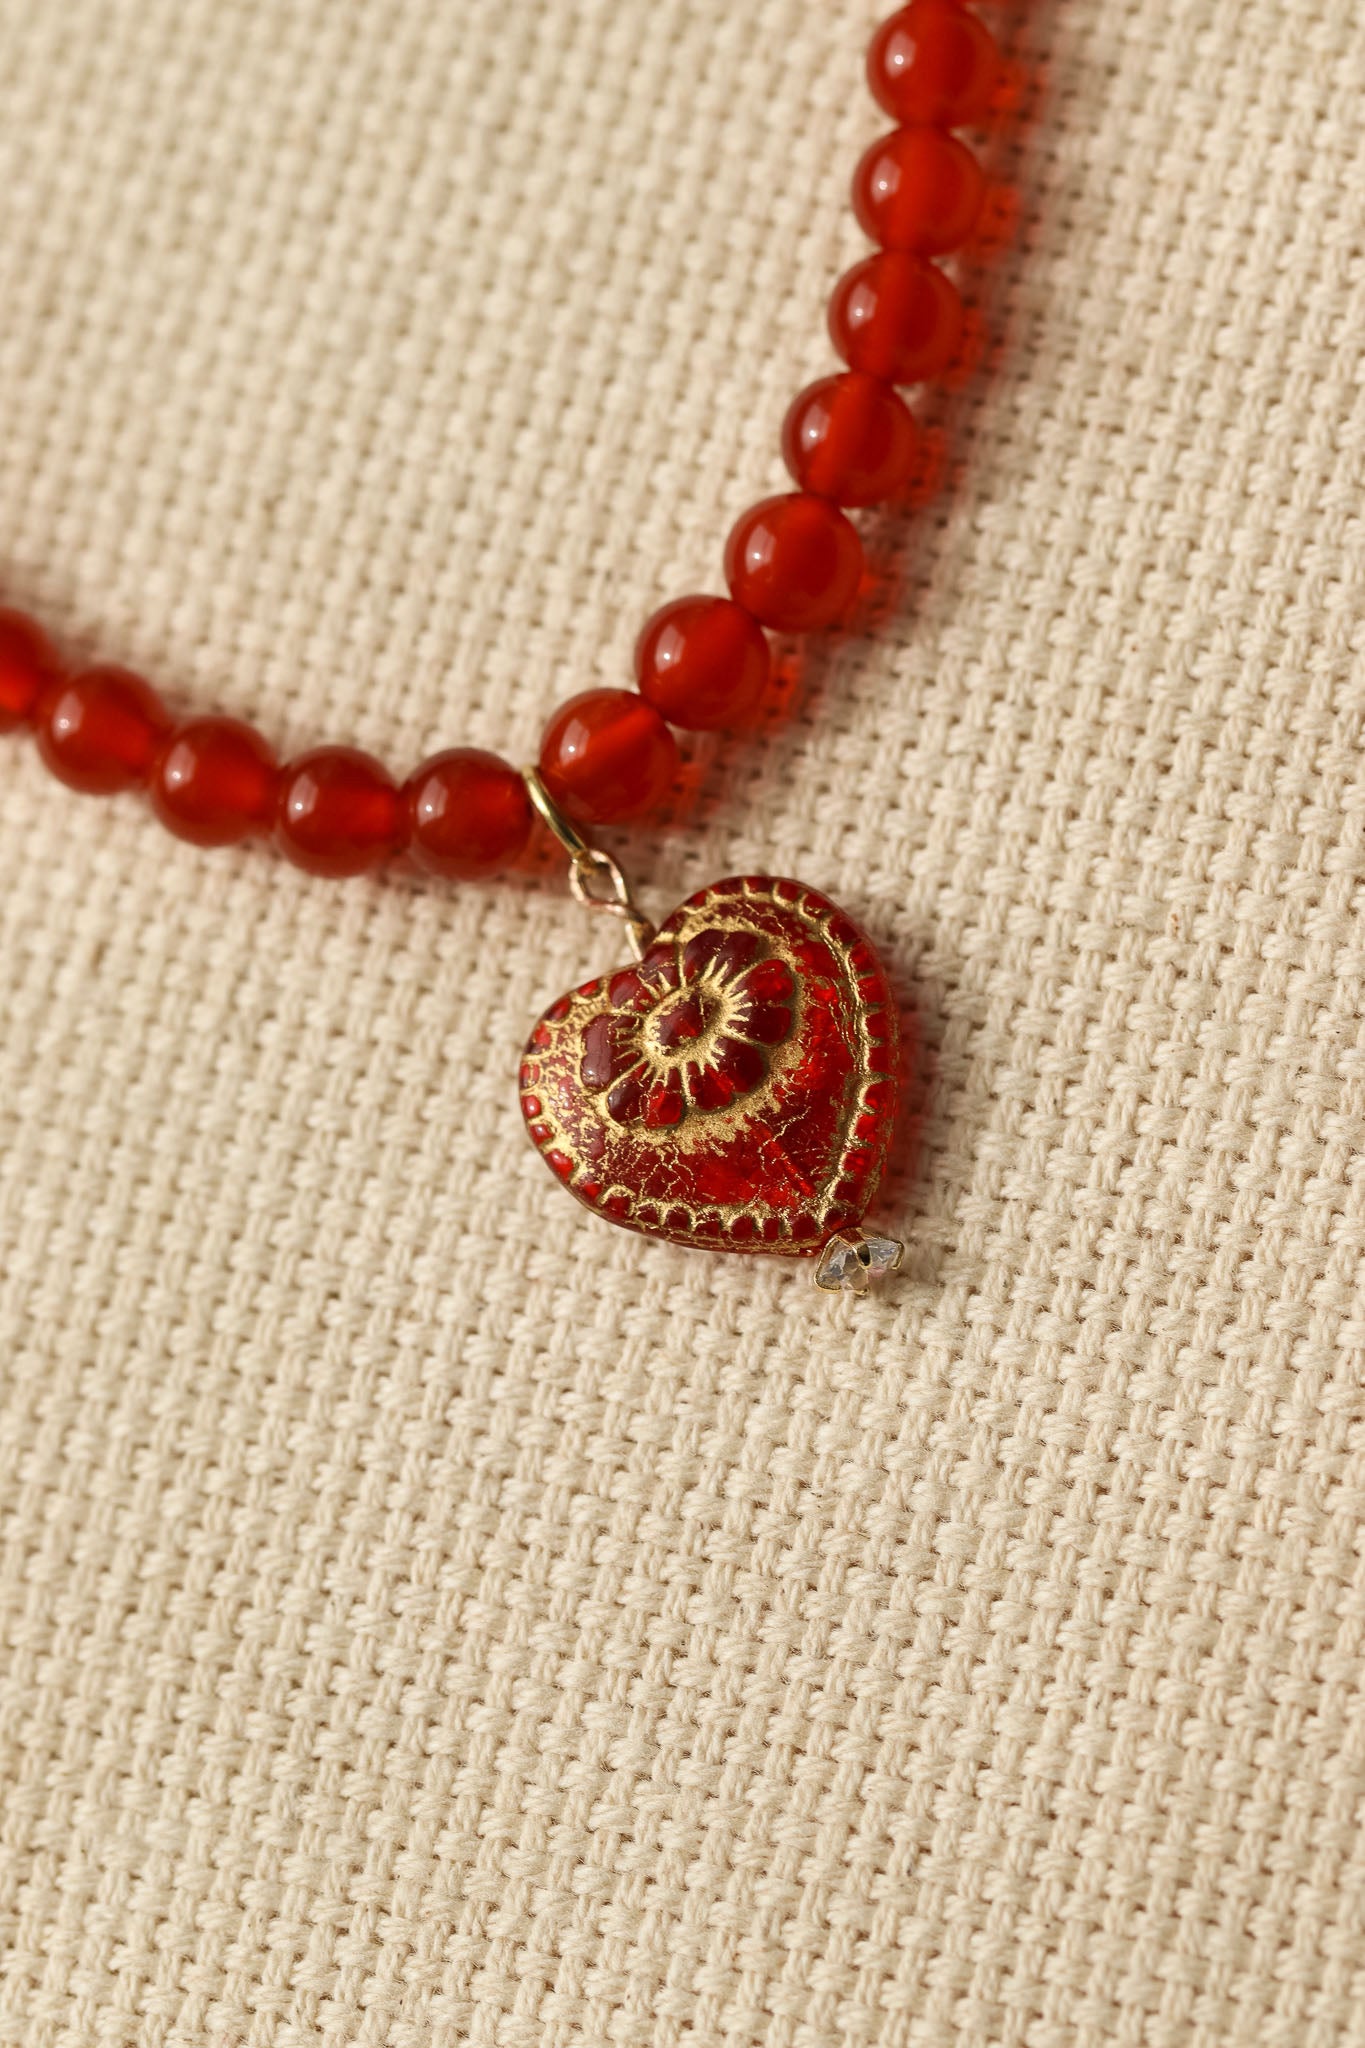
[737,1090]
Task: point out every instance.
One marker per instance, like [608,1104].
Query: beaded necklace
[736,1087]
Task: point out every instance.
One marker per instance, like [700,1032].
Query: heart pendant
[734,1091]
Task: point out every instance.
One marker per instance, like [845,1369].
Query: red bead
[338,812]
[850,438]
[934,62]
[896,317]
[28,668]
[796,563]
[102,730]
[607,755]
[703,663]
[468,814]
[919,189]
[215,782]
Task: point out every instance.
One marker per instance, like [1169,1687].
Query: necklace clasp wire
[594,877]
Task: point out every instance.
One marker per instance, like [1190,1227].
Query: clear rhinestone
[851,1264]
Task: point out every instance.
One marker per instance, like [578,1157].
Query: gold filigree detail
[752,909]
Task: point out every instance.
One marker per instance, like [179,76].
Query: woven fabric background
[428,1616]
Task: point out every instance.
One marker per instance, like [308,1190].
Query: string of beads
[794,564]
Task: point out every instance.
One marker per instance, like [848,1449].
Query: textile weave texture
[430,1617]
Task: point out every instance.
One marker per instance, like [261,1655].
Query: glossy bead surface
[214,782]
[606,756]
[468,814]
[338,812]
[934,62]
[28,668]
[896,317]
[101,731]
[851,439]
[703,663]
[919,189]
[795,563]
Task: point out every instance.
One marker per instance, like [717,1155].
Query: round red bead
[468,814]
[28,668]
[919,189]
[795,563]
[896,317]
[607,755]
[850,438]
[338,812]
[101,731]
[934,62]
[703,663]
[214,782]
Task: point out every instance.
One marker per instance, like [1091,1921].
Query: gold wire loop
[594,877]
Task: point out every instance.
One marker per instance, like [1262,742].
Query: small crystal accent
[851,1264]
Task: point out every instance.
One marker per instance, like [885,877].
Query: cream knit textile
[429,1616]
